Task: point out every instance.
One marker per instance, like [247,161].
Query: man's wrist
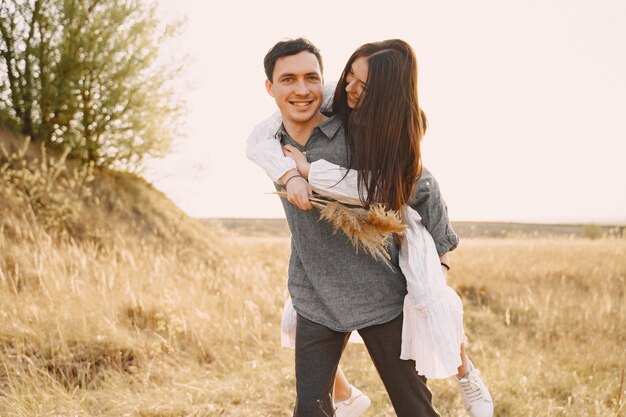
[292,177]
[287,176]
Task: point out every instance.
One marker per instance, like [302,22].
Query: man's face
[297,87]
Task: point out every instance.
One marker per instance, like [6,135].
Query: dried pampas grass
[367,229]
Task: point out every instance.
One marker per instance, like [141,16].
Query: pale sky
[526,100]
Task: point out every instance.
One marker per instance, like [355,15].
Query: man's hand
[298,189]
[298,192]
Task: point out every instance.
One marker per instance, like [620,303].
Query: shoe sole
[358,406]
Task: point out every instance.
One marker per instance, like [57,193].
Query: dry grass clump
[109,324]
[369,229]
[45,186]
[74,364]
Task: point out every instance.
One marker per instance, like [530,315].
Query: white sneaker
[353,406]
[475,395]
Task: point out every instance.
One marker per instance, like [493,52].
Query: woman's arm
[325,178]
[333,181]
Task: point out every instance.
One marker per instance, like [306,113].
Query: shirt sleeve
[333,181]
[429,203]
[263,148]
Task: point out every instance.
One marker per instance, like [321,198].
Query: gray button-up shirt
[330,282]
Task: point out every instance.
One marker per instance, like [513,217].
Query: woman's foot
[354,405]
[475,395]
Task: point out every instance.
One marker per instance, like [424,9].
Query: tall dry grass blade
[283,193]
[618,403]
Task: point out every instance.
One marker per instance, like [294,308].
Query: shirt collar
[329,128]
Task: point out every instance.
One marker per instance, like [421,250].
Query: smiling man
[334,289]
[295,82]
[294,79]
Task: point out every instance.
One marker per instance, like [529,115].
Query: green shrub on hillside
[84,74]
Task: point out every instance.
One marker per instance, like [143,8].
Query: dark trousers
[318,350]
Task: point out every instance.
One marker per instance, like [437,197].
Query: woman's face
[355,81]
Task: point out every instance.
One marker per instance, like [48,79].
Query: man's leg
[318,350]
[407,390]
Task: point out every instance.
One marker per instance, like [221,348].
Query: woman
[377,101]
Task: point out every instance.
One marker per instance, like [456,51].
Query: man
[334,289]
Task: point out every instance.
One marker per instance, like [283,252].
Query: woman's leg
[474,393]
[465,367]
[342,388]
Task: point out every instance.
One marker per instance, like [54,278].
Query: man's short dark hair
[287,48]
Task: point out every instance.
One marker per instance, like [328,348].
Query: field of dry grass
[139,332]
[136,310]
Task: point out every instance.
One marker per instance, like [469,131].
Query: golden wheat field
[143,330]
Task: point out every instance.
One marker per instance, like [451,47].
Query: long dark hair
[384,131]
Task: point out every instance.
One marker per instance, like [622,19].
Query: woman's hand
[301,162]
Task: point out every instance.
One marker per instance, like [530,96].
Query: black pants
[318,350]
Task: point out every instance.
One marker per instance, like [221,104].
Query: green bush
[86,75]
[591,231]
